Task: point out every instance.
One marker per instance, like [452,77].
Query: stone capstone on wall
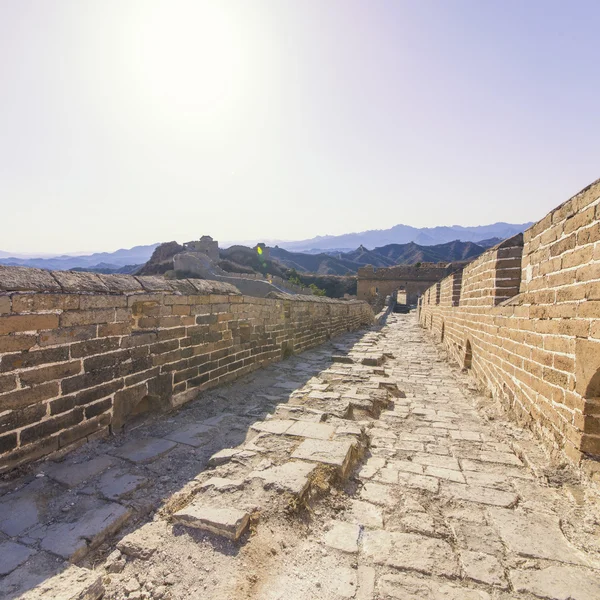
[82,354]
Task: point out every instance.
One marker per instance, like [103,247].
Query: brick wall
[81,354]
[527,319]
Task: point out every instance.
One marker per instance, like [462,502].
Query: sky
[126,122]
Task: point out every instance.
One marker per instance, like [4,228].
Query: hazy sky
[126,122]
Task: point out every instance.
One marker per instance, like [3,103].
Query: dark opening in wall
[442,331]
[468,356]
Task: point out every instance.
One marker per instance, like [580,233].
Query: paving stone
[277,426]
[12,555]
[408,466]
[378,494]
[490,480]
[558,583]
[144,450]
[481,495]
[317,431]
[365,514]
[228,522]
[343,582]
[483,568]
[366,583]
[222,484]
[419,522]
[445,462]
[471,436]
[477,537]
[343,536]
[292,476]
[535,535]
[19,511]
[410,551]
[447,474]
[73,540]
[411,587]
[116,483]
[336,453]
[194,434]
[227,454]
[421,482]
[72,474]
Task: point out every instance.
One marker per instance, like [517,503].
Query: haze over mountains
[403,234]
[353,245]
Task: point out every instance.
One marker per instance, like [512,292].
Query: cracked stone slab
[116,483]
[410,551]
[343,536]
[194,434]
[365,514]
[73,540]
[292,476]
[12,555]
[222,484]
[535,535]
[19,511]
[558,583]
[481,495]
[378,494]
[483,568]
[337,454]
[228,522]
[72,474]
[144,450]
[227,454]
[405,587]
[307,429]
[276,426]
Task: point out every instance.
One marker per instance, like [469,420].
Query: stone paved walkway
[367,468]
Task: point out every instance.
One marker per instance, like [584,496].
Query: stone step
[227,522]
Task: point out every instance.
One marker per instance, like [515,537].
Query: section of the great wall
[81,353]
[525,319]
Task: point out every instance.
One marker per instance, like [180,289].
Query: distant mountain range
[403,234]
[347,263]
[100,260]
[336,246]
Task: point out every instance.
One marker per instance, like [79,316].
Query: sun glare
[187,59]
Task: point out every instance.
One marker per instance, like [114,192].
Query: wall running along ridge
[81,354]
[524,318]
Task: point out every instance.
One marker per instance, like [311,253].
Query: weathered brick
[92,347]
[48,427]
[26,396]
[86,317]
[7,383]
[35,358]
[95,302]
[15,419]
[87,380]
[8,442]
[17,323]
[44,302]
[43,374]
[83,430]
[15,343]
[93,410]
[5,304]
[67,335]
